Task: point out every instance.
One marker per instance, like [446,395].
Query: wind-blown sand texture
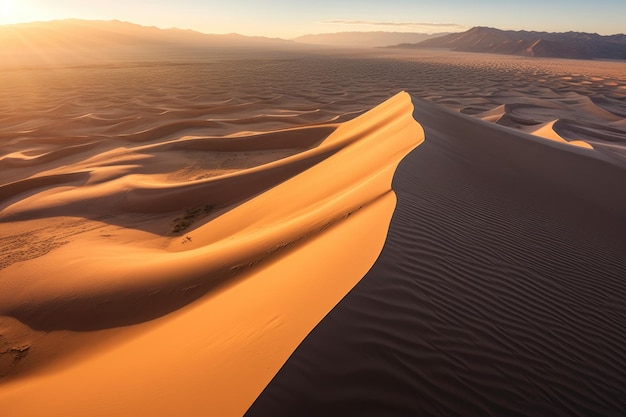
[172,231]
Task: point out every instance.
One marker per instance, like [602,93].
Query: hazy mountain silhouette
[75,41]
[365,39]
[576,45]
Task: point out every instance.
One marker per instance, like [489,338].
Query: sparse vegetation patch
[189,217]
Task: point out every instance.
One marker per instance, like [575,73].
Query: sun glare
[15,11]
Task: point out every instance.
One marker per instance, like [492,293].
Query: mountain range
[61,33]
[79,42]
[365,39]
[76,41]
[576,45]
[70,33]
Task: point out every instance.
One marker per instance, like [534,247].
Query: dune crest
[546,131]
[340,207]
[499,289]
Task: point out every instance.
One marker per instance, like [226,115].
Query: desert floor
[313,233]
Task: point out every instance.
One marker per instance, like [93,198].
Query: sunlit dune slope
[284,252]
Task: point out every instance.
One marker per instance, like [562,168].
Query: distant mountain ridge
[365,39]
[576,45]
[79,42]
[98,32]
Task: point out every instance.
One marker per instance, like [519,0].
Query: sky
[289,19]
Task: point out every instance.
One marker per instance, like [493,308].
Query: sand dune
[499,289]
[348,197]
[171,231]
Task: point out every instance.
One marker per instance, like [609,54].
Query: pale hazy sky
[287,19]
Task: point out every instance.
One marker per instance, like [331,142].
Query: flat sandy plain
[313,233]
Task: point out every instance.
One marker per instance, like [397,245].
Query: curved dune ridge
[290,243]
[499,291]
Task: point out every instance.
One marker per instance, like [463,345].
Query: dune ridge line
[340,208]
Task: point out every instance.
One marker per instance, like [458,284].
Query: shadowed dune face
[499,290]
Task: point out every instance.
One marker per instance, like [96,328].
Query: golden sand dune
[329,203]
[547,130]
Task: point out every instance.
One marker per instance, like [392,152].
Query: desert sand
[176,235]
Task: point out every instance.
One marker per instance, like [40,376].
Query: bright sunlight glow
[16,11]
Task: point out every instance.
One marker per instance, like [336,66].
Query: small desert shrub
[190,216]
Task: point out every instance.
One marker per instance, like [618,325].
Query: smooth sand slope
[289,253]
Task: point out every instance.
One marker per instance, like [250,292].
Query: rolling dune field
[313,233]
